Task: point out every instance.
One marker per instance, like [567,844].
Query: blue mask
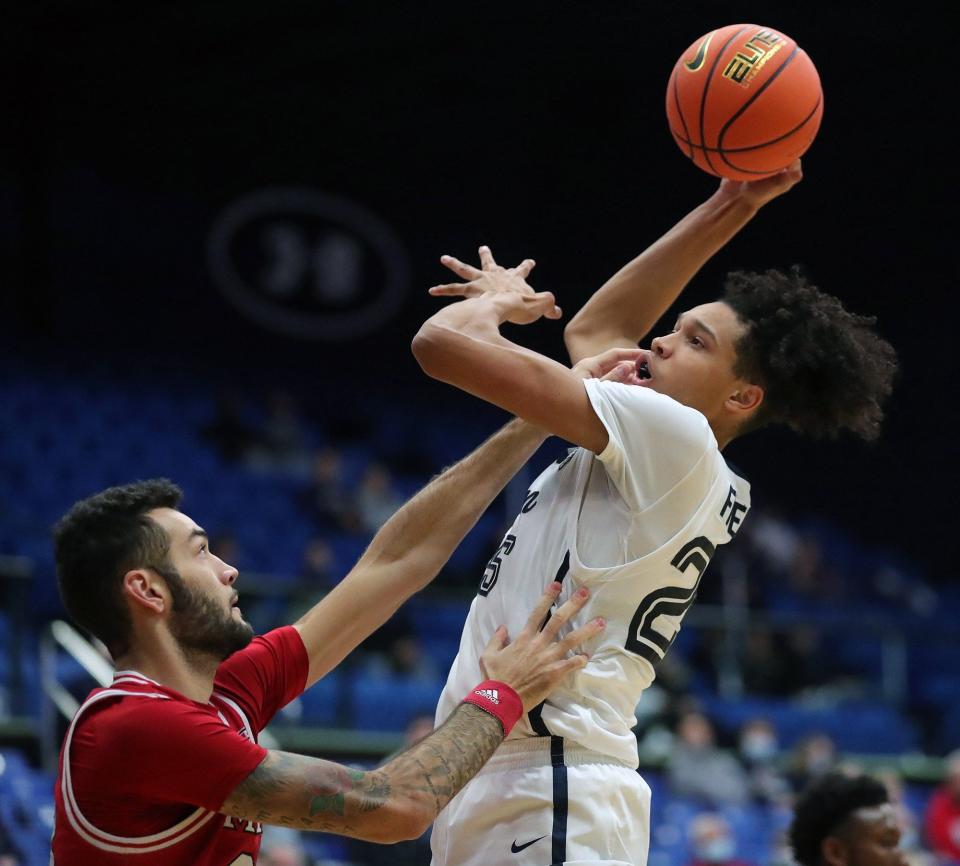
[758,747]
[719,850]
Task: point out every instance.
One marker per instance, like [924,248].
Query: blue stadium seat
[436,619]
[867,728]
[441,649]
[325,703]
[26,807]
[478,546]
[390,704]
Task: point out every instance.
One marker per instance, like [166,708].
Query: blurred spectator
[395,649]
[892,585]
[712,841]
[765,666]
[942,818]
[811,578]
[772,538]
[318,569]
[759,752]
[654,737]
[697,768]
[282,444]
[417,728]
[660,703]
[781,854]
[376,500]
[810,667]
[281,846]
[326,498]
[404,657]
[413,852]
[907,819]
[813,756]
[224,544]
[228,432]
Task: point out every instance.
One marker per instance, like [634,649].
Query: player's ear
[144,587]
[745,399]
[834,851]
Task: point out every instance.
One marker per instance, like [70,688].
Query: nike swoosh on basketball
[516,849]
[701,55]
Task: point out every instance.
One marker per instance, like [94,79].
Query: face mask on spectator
[758,747]
[718,850]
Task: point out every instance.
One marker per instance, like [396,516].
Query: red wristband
[499,700]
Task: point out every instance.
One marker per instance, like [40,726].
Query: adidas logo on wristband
[498,699]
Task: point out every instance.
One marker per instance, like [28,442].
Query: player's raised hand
[614,365]
[516,298]
[758,192]
[535,662]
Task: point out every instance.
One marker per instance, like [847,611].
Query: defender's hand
[516,301]
[535,663]
[757,193]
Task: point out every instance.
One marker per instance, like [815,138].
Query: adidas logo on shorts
[490,694]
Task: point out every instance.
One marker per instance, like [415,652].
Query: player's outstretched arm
[462,345]
[400,799]
[412,547]
[627,306]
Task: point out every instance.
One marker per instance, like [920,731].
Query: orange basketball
[744,101]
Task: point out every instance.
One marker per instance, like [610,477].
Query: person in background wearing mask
[813,756]
[759,751]
[712,841]
[698,769]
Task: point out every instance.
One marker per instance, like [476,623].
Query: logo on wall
[306,264]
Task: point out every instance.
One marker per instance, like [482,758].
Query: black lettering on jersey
[736,509]
[565,459]
[669,601]
[492,572]
[530,501]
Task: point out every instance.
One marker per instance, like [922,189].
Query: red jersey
[943,824]
[144,770]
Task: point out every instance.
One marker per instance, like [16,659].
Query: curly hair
[823,808]
[98,541]
[823,368]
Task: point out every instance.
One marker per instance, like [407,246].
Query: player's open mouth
[643,371]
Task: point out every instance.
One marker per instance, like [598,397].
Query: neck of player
[162,659]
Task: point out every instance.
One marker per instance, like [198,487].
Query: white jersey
[637,525]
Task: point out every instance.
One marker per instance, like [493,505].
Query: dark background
[536,127]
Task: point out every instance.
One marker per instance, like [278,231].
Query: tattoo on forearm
[296,791]
[444,762]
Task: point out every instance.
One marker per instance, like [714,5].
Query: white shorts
[537,802]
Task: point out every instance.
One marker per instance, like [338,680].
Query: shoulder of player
[670,413]
[277,642]
[111,711]
[113,722]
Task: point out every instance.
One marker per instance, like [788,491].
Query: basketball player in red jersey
[163,767]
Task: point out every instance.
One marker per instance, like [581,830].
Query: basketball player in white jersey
[637,511]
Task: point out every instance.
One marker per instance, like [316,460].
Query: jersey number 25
[642,637]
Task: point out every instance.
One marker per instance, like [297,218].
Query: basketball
[744,101]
